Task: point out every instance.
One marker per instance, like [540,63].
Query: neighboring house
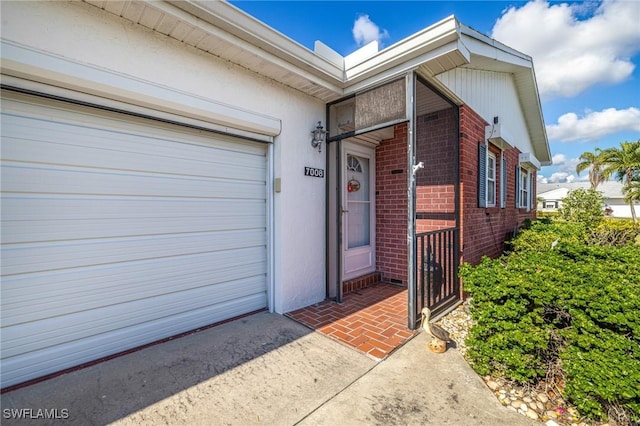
[550,196]
[158,173]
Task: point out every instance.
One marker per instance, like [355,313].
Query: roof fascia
[521,66]
[407,50]
[533,115]
[223,17]
[387,71]
[501,52]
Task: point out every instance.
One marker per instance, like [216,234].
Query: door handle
[344,211]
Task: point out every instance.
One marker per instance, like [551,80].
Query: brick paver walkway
[372,320]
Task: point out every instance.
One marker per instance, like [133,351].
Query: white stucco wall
[622,209]
[84,34]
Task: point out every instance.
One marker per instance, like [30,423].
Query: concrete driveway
[264,369]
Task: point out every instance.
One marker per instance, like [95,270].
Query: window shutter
[532,195]
[517,180]
[503,182]
[482,174]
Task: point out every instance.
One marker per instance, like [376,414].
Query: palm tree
[594,161]
[624,163]
[632,192]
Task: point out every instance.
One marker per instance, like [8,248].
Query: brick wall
[391,206]
[436,139]
[484,229]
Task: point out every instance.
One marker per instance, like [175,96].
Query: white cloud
[365,31]
[560,177]
[571,54]
[564,170]
[559,159]
[593,125]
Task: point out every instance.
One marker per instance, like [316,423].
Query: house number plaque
[310,171]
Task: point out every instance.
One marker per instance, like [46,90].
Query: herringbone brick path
[372,320]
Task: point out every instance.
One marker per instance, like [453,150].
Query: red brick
[377,353]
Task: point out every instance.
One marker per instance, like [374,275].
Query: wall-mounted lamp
[318,136]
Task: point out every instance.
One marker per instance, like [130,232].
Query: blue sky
[586,55]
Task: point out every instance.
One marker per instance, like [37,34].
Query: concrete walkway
[265,369]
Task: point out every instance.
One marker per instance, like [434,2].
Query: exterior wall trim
[41,67]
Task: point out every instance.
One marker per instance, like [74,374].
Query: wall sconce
[318,136]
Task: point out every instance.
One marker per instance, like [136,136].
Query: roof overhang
[436,49]
[227,32]
[223,30]
[491,55]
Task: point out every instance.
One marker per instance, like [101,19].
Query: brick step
[363,281]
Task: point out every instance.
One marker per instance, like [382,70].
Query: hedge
[558,306]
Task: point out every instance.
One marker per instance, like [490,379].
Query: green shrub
[615,233]
[574,305]
[541,234]
[549,215]
[583,205]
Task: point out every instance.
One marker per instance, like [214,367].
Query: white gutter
[455,53]
[422,43]
[226,18]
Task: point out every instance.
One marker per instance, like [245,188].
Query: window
[491,180]
[550,204]
[487,177]
[524,189]
[353,165]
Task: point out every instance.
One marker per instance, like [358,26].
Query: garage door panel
[118,231]
[77,121]
[55,180]
[33,297]
[35,335]
[49,360]
[79,295]
[102,150]
[93,229]
[242,168]
[41,257]
[54,207]
[25,231]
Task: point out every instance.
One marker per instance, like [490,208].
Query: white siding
[491,94]
[119,231]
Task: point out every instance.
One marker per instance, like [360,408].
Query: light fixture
[318,136]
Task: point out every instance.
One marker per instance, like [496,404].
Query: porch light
[318,136]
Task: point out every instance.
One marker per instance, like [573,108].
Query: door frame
[369,152]
[334,230]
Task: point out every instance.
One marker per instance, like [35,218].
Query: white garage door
[118,231]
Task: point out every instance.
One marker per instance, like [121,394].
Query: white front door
[358,207]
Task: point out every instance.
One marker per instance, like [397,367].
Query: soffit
[428,101]
[217,28]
